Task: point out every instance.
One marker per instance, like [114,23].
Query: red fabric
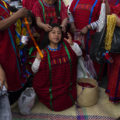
[81,18]
[113,88]
[82,13]
[116,9]
[49,12]
[8,57]
[61,78]
[28,4]
[113,2]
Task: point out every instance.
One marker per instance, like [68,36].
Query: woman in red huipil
[49,11]
[113,87]
[84,13]
[8,53]
[56,74]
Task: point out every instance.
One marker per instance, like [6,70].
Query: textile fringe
[111,23]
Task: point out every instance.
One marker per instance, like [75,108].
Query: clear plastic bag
[82,72]
[89,66]
[26,101]
[5,111]
[79,37]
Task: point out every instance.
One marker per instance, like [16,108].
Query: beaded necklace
[54,49]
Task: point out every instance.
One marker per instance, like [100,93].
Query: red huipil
[113,87]
[113,2]
[28,4]
[81,14]
[7,55]
[61,78]
[115,9]
[49,13]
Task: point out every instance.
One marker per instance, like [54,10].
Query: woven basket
[87,96]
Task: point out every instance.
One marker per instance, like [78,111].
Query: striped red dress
[85,12]
[8,54]
[49,11]
[113,88]
[62,82]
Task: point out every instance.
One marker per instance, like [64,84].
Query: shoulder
[37,3]
[73,5]
[37,8]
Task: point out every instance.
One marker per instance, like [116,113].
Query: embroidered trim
[54,49]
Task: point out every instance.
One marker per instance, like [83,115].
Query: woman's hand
[63,28]
[47,27]
[2,78]
[69,39]
[72,27]
[23,12]
[64,24]
[84,30]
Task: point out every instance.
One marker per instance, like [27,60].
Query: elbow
[80,53]
[33,69]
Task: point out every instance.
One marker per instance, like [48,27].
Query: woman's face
[55,35]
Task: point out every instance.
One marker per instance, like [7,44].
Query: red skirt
[113,88]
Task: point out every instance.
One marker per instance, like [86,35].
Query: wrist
[71,43]
[88,27]
[41,25]
[38,57]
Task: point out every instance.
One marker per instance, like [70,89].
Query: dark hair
[46,41]
[30,14]
[118,118]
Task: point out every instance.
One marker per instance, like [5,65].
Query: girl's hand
[63,28]
[69,40]
[38,55]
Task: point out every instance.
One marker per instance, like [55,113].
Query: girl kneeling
[56,74]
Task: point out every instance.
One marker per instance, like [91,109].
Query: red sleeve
[63,12]
[37,10]
[78,42]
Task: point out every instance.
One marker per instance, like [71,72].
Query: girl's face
[55,35]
